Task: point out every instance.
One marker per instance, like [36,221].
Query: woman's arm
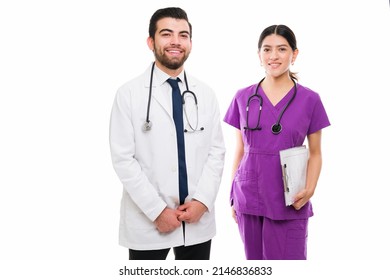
[313,170]
[238,154]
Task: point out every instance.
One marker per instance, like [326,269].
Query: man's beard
[172,64]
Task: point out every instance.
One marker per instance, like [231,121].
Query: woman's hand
[234,214]
[302,198]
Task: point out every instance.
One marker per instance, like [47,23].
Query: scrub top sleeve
[319,118]
[232,115]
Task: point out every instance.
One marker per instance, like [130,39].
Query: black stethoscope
[277,127]
[148,124]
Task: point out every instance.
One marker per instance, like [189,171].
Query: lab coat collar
[159,76]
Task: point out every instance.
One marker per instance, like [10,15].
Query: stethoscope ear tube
[277,127]
[148,124]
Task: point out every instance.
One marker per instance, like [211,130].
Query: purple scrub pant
[266,239]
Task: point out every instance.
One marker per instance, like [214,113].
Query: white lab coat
[147,162]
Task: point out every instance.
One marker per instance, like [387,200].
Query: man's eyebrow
[171,31]
[166,30]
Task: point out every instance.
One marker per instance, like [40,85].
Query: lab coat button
[173,169]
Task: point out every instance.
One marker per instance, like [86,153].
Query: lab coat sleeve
[209,182]
[122,145]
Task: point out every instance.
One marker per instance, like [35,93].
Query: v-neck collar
[282,102]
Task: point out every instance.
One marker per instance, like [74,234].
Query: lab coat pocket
[201,155]
[196,159]
[245,194]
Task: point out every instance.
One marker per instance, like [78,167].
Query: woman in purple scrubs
[280,116]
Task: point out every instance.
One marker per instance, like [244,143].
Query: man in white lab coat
[152,148]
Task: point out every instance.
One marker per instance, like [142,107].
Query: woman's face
[276,55]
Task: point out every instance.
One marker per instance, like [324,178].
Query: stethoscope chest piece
[276,128]
[147,126]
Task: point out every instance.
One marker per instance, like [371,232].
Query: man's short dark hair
[171,12]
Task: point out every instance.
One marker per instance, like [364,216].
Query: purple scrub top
[257,188]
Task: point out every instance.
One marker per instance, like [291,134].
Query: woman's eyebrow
[269,46]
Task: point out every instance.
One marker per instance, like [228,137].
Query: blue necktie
[178,118]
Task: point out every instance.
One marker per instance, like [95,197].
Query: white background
[61,63]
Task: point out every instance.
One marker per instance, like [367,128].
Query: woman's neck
[276,88]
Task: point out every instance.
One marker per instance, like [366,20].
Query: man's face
[172,43]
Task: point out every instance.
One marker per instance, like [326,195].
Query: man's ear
[150,43]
